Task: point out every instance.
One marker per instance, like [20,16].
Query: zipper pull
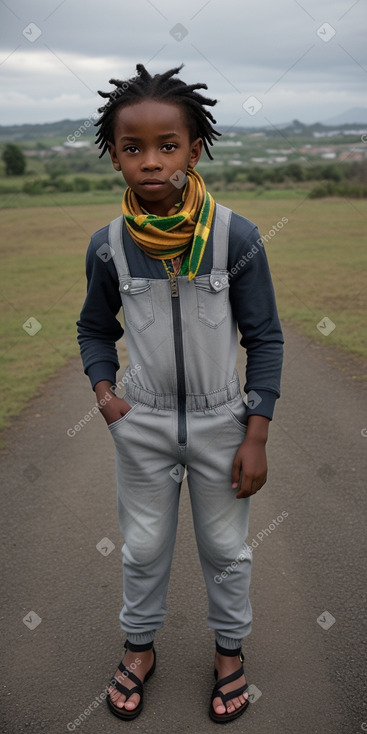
[173,284]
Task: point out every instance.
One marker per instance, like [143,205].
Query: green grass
[55,200]
[17,199]
[318,263]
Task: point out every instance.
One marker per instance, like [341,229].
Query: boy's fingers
[236,468]
[244,487]
[250,485]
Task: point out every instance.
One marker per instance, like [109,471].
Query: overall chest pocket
[212,293]
[137,302]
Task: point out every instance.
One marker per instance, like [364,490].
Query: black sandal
[123,713]
[217,693]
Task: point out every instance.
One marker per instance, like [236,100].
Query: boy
[188,273]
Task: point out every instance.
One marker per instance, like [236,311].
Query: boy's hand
[250,468]
[111,407]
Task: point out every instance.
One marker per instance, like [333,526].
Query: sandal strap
[130,674]
[138,648]
[228,679]
[138,688]
[228,652]
[126,691]
[231,694]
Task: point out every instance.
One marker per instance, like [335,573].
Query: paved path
[59,503]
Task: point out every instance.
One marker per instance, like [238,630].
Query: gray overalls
[187,411]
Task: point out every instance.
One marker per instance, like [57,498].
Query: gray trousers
[150,467]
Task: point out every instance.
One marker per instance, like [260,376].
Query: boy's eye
[169,146]
[131,148]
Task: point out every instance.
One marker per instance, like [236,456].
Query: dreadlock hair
[159,87]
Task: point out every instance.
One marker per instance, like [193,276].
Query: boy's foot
[225,666]
[140,669]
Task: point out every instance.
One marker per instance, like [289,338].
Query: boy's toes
[219,706]
[117,699]
[233,704]
[120,702]
[132,702]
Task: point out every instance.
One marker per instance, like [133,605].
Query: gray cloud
[255,47]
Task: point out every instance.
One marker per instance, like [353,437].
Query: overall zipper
[179,355]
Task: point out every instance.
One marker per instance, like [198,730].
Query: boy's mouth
[152,182]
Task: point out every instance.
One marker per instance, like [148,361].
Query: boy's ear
[196,150]
[114,159]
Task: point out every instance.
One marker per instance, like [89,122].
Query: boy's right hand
[111,407]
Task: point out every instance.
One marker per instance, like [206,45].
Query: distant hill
[52,131]
[350,117]
[62,128]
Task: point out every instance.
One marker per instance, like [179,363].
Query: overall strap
[117,246]
[221,236]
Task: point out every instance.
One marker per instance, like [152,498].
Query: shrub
[333,173]
[295,171]
[104,184]
[63,185]
[33,187]
[331,188]
[256,175]
[56,168]
[81,184]
[276,175]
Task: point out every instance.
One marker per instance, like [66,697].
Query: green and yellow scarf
[167,237]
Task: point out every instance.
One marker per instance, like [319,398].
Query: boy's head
[164,88]
[154,129]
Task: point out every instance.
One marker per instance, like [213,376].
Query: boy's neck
[159,208]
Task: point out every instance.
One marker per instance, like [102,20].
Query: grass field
[318,261]
[19,200]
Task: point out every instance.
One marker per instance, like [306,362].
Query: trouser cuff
[227,645]
[140,642]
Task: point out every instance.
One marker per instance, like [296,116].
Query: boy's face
[152,144]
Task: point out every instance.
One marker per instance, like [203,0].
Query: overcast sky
[303,59]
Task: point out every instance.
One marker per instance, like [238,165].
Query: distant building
[76,144]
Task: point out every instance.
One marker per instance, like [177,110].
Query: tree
[14,160]
[333,173]
[295,171]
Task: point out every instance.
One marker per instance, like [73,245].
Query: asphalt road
[305,658]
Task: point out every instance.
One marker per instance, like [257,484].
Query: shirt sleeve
[98,328]
[254,308]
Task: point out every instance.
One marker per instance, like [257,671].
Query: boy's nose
[151,163]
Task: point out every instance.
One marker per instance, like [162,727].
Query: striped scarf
[167,237]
